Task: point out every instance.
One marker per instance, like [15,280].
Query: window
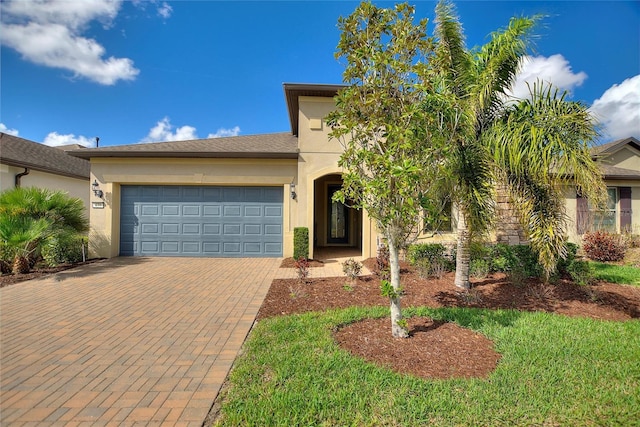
[617,212]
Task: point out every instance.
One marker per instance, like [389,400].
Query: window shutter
[625,208]
[582,217]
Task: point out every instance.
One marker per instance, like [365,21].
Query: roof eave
[184,154]
[39,168]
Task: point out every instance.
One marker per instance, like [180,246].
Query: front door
[338,224]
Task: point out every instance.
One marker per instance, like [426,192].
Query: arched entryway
[337,227]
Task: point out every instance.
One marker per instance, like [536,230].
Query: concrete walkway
[128,341]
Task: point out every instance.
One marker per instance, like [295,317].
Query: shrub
[64,249]
[582,272]
[300,243]
[351,268]
[604,246]
[429,251]
[430,259]
[564,263]
[479,268]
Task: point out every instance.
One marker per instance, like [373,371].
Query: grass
[554,370]
[624,274]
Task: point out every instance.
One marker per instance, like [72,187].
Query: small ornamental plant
[302,269]
[603,246]
[351,268]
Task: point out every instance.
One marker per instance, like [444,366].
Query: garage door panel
[170,210]
[201,221]
[149,228]
[190,210]
[212,210]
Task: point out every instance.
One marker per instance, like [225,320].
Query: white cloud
[163,131]
[164,10]
[220,133]
[618,109]
[49,33]
[8,131]
[54,139]
[554,69]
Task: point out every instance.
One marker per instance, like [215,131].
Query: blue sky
[143,71]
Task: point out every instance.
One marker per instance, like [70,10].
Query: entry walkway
[127,341]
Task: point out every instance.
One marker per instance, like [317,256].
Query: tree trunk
[463,254]
[396,313]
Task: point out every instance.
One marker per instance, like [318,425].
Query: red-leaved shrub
[604,246]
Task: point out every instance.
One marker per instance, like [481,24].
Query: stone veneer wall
[508,228]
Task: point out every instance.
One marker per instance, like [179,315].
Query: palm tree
[534,147]
[29,217]
[20,236]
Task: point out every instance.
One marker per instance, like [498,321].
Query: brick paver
[144,341]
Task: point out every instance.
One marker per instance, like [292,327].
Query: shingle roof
[612,172]
[23,153]
[275,145]
[612,147]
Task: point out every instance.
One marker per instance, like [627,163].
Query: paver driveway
[127,341]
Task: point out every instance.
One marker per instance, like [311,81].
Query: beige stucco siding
[319,155]
[627,158]
[111,173]
[75,187]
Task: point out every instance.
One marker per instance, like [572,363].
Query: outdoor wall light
[292,187]
[96,189]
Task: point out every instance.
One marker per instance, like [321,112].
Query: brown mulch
[291,263]
[39,272]
[454,346]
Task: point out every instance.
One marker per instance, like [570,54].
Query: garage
[201,221]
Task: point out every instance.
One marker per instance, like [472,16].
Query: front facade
[243,196]
[227,197]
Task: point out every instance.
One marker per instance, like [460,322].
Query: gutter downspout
[20,175]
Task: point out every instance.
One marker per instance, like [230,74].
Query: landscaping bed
[601,301]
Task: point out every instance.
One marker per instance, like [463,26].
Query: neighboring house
[228,197]
[620,164]
[25,163]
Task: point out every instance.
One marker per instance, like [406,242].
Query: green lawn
[617,273]
[554,370]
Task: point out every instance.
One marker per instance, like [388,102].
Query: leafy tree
[536,148]
[29,217]
[391,148]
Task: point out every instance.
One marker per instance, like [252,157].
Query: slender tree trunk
[463,253]
[396,313]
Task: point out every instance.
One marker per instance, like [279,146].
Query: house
[238,196]
[30,164]
[620,164]
[227,197]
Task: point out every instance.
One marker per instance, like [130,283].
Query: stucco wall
[111,173]
[75,187]
[319,157]
[627,158]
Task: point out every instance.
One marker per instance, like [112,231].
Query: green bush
[428,251]
[479,268]
[300,243]
[582,272]
[64,249]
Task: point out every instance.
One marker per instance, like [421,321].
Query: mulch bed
[39,272]
[460,352]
